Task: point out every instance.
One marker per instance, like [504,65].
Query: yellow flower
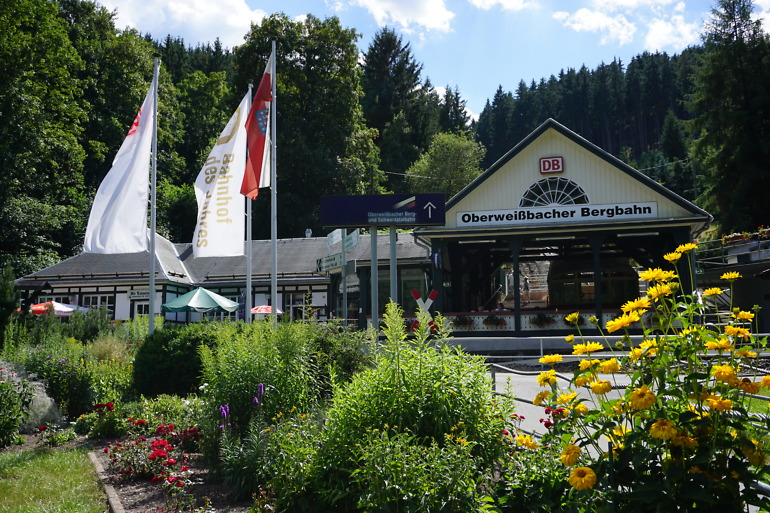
[526,441]
[546,378]
[737,331]
[652,275]
[753,456]
[684,248]
[745,352]
[541,397]
[641,303]
[570,455]
[731,276]
[582,478]
[718,403]
[748,386]
[765,383]
[610,366]
[623,321]
[713,291]
[682,439]
[635,354]
[663,429]
[723,344]
[580,409]
[587,364]
[570,338]
[566,398]
[642,398]
[744,316]
[586,348]
[550,358]
[724,373]
[601,387]
[657,291]
[572,318]
[582,381]
[673,257]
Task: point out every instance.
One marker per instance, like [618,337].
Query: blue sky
[474,45]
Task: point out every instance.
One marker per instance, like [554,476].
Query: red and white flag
[118,219]
[257,172]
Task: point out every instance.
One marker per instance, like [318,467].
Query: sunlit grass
[49,481]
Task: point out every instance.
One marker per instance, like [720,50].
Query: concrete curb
[112,497]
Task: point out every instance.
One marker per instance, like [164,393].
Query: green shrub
[168,361]
[15,396]
[436,394]
[398,473]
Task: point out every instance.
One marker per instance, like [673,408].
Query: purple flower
[255,400]
[260,390]
[224,410]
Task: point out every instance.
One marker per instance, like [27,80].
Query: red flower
[41,427]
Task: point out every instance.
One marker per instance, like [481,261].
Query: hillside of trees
[70,85]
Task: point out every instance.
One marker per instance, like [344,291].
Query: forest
[70,84]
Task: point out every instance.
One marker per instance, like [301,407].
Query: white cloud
[672,33]
[762,13]
[506,5]
[408,14]
[193,20]
[612,28]
[627,5]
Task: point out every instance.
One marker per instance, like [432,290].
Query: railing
[738,249]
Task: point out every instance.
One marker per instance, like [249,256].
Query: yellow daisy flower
[684,248]
[718,403]
[601,387]
[660,290]
[673,257]
[641,303]
[582,478]
[541,397]
[570,455]
[743,316]
[663,430]
[526,441]
[610,366]
[570,338]
[582,381]
[724,373]
[566,398]
[731,276]
[682,439]
[551,358]
[749,386]
[623,321]
[737,331]
[546,378]
[580,409]
[723,344]
[642,398]
[745,352]
[572,318]
[713,291]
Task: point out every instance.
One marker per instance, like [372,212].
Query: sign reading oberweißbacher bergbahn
[383,210]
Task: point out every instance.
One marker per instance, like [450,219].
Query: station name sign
[559,214]
[383,210]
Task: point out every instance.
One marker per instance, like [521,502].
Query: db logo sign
[551,165]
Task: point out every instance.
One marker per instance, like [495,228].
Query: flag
[257,172]
[221,210]
[118,219]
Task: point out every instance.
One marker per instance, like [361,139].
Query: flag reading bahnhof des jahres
[221,209]
[257,172]
[118,219]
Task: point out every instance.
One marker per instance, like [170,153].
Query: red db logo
[551,165]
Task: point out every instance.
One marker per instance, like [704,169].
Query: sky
[472,45]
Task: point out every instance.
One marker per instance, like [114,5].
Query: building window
[97,301]
[553,191]
[59,299]
[142,308]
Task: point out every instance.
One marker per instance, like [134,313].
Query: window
[97,301]
[553,191]
[59,299]
[142,308]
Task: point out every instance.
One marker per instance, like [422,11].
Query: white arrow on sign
[430,206]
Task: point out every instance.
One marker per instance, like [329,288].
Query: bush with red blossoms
[156,459]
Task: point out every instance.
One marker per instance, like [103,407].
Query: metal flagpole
[247,312]
[273,195]
[153,196]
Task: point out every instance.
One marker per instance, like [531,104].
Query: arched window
[553,191]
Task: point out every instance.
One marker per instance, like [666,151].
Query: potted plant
[493,320]
[462,321]
[541,320]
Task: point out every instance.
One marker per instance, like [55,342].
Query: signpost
[393,210]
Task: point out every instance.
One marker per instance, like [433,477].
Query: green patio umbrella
[200,300]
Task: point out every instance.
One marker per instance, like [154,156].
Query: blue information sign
[383,210]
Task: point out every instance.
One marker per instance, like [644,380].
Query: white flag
[118,220]
[221,208]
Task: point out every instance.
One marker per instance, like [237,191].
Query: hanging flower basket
[494,320]
[462,321]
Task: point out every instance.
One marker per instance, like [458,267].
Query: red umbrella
[59,309]
[264,309]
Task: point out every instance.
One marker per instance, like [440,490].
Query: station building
[557,225]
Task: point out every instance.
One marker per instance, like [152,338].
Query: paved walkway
[523,385]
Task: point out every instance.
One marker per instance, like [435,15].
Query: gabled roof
[501,187]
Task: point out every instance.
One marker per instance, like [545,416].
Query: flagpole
[153,196]
[273,195]
[247,313]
